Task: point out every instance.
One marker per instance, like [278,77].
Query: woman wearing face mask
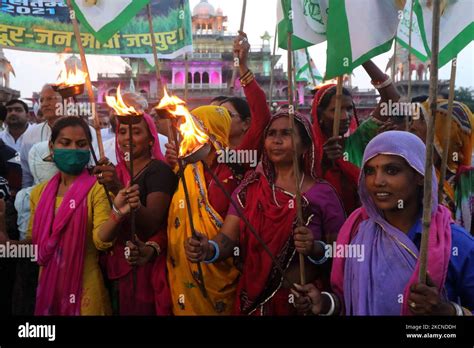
[140,288]
[67,213]
[267,200]
[388,231]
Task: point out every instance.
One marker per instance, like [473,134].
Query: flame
[192,135]
[72,77]
[119,105]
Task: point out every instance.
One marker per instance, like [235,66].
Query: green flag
[103,18]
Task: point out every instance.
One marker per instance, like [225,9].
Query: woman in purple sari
[387,229]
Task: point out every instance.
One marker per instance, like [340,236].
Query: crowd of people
[218,238]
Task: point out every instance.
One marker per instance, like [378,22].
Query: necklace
[292,195]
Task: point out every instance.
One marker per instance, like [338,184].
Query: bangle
[115,218]
[247,78]
[216,253]
[458,308]
[379,85]
[321,260]
[333,304]
[155,246]
[116,211]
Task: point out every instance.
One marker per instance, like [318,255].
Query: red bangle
[115,218]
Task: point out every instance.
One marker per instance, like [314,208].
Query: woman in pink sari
[387,229]
[67,213]
[139,288]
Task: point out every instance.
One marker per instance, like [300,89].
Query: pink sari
[61,240]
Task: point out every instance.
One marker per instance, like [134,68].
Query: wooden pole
[295,85]
[296,168]
[155,51]
[90,91]
[236,59]
[447,131]
[394,58]
[186,72]
[272,66]
[310,67]
[338,106]
[407,123]
[427,199]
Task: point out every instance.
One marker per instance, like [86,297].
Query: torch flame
[119,105]
[192,135]
[72,77]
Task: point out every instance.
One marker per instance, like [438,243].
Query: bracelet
[115,218]
[333,305]
[155,246]
[388,81]
[247,78]
[323,259]
[458,308]
[216,253]
[116,211]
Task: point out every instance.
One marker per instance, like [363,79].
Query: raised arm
[256,98]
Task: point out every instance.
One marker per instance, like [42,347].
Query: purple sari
[380,284]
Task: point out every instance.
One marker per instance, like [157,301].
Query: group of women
[238,251]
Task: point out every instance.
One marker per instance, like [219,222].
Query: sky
[33,70]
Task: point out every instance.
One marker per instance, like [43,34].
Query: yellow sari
[220,279]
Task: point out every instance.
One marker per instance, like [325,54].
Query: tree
[465,95]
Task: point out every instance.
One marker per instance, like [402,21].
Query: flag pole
[407,124]
[153,45]
[157,63]
[447,130]
[186,72]
[90,91]
[338,107]
[272,66]
[236,59]
[295,85]
[296,168]
[310,67]
[427,199]
[394,58]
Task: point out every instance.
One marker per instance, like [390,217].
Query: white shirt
[10,141]
[37,133]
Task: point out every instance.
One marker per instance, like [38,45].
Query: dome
[204,9]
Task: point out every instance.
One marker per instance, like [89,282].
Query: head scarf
[268,210]
[219,278]
[461,136]
[343,175]
[390,267]
[122,171]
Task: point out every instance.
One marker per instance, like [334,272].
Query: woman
[388,229]
[67,212]
[340,156]
[267,200]
[458,190]
[245,135]
[139,292]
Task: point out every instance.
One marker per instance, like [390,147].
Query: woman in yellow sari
[458,189]
[220,279]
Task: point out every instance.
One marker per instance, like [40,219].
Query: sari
[151,293]
[380,285]
[342,174]
[458,189]
[220,279]
[269,211]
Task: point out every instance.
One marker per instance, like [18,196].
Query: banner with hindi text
[45,26]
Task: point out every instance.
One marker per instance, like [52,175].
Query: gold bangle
[155,247]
